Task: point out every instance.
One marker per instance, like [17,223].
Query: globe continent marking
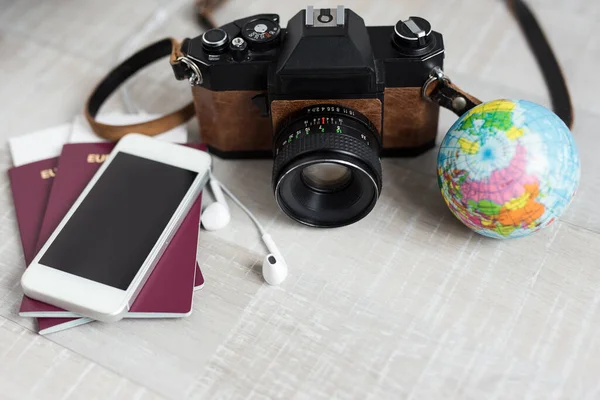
[507,168]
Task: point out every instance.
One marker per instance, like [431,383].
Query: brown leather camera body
[265,74]
[233,127]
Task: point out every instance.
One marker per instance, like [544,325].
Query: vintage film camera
[326,96]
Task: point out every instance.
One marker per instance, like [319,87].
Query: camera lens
[327,171]
[326,176]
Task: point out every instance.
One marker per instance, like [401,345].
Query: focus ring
[328,141]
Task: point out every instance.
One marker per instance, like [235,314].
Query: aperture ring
[350,116]
[302,128]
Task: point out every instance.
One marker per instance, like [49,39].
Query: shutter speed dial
[261,34]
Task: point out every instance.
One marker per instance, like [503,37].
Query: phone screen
[118,223]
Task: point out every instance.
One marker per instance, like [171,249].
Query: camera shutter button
[414,32]
[214,40]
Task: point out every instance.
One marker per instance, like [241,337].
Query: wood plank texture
[32,367]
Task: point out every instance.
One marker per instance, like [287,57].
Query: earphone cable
[261,229]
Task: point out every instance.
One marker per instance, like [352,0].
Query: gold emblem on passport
[96,158]
[48,173]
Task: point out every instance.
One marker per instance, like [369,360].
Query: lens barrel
[327,171]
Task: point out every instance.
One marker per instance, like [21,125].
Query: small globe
[508,168]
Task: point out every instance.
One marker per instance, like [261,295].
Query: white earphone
[216,216]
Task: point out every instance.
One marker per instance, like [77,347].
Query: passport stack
[43,192]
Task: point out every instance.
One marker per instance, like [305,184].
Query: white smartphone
[107,245]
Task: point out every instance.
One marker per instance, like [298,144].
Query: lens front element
[326,176]
[327,171]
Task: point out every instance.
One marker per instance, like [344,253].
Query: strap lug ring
[195,78]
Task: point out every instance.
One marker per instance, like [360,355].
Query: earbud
[216,215]
[274,268]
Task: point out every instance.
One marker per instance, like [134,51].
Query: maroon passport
[165,294]
[30,185]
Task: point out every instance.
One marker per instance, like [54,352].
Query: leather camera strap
[439,90]
[547,62]
[141,59]
[447,95]
[120,74]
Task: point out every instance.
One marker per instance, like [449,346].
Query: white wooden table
[407,303]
